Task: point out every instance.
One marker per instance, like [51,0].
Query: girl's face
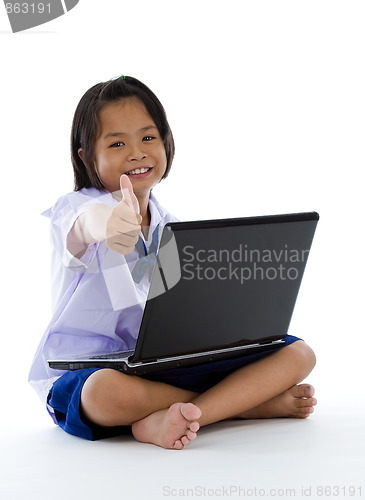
[129,143]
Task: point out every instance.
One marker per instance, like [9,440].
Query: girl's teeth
[138,171]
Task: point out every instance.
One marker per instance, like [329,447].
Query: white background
[266,103]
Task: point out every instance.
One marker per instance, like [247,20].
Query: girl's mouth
[138,173]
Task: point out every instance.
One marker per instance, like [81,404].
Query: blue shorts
[64,397]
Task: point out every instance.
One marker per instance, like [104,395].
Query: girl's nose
[137,157]
[136,154]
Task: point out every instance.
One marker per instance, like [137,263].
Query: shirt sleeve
[62,217]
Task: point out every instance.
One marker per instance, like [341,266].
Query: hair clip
[122,77]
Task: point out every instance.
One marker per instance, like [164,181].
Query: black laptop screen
[224,283]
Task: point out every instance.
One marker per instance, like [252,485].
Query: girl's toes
[178,445]
[302,391]
[304,412]
[304,403]
[194,426]
[191,435]
[185,440]
[306,390]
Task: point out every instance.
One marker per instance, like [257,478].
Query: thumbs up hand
[128,195]
[124,224]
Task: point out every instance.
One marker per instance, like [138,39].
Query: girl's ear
[80,152]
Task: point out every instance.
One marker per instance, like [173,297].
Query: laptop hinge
[205,353]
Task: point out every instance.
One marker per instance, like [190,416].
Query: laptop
[219,289]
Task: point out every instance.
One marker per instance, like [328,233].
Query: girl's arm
[89,227]
[119,227]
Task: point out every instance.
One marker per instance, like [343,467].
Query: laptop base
[126,366]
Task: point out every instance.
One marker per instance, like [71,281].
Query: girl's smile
[139,173]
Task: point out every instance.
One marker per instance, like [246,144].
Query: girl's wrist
[96,217]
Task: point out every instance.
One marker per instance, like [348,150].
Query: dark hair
[85,125]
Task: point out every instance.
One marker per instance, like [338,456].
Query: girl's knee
[102,396]
[98,384]
[305,355]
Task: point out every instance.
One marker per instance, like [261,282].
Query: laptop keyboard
[114,355]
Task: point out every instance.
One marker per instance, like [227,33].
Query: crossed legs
[170,417]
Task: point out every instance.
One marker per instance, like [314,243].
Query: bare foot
[173,428]
[296,402]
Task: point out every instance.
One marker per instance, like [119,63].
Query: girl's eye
[148,138]
[117,144]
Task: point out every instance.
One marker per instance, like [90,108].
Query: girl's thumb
[128,195]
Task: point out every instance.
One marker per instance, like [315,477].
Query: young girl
[122,146]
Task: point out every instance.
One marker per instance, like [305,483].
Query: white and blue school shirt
[98,300]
